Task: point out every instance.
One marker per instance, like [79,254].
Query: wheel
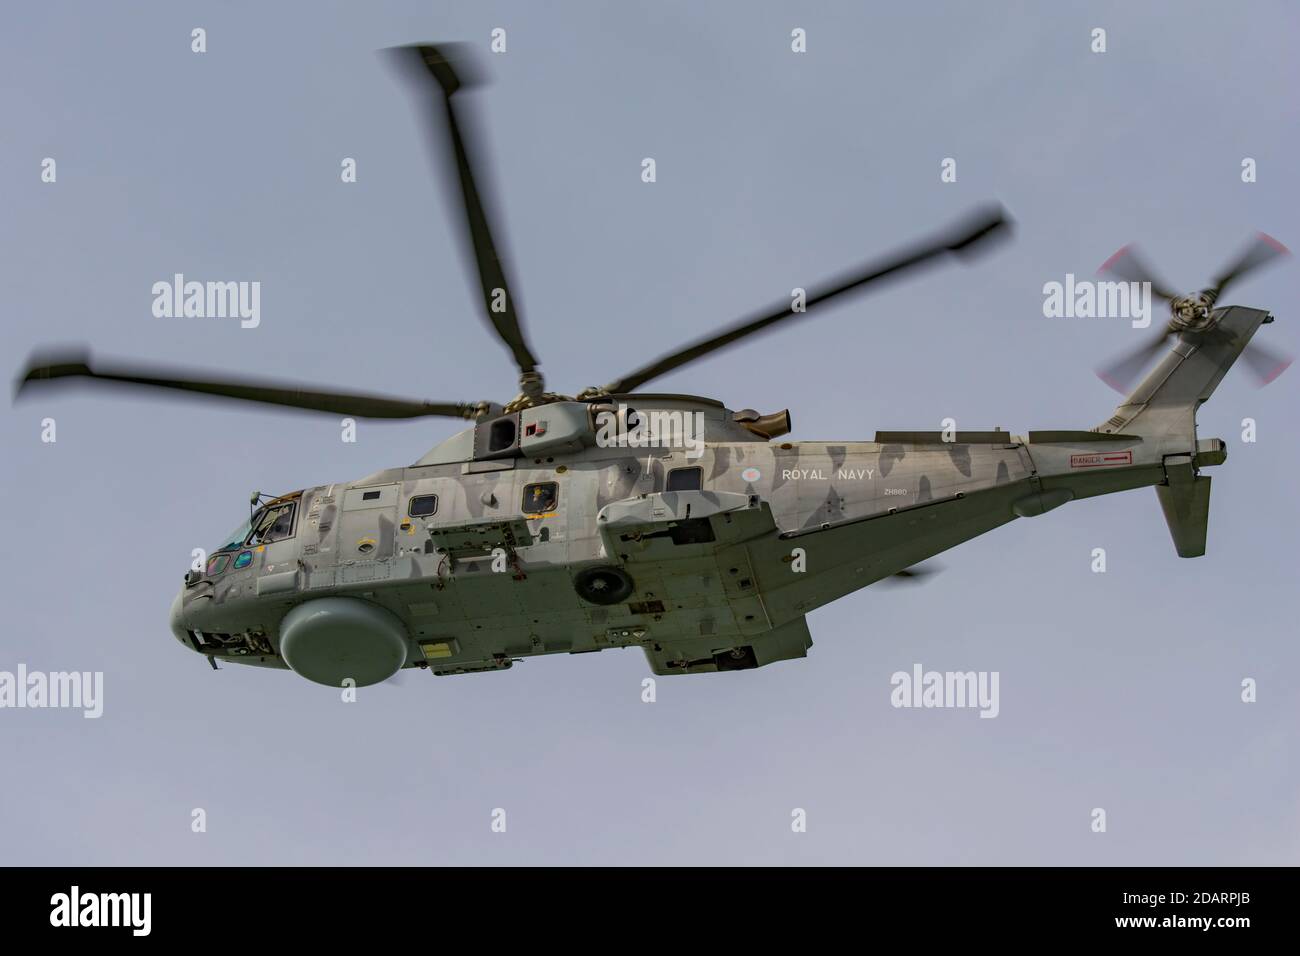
[603,585]
[736,659]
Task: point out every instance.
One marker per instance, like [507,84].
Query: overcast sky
[1119,690]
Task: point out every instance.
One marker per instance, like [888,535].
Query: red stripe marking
[1274,243]
[1116,257]
[1111,382]
[1282,367]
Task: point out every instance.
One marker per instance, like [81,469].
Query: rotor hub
[531,384]
[524,400]
[1191,313]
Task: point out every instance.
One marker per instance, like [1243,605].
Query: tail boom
[1151,437]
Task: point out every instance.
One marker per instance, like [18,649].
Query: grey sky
[1118,690]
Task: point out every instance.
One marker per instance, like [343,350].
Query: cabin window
[541,497]
[686,479]
[272,523]
[422,505]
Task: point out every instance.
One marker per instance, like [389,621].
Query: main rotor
[438,75]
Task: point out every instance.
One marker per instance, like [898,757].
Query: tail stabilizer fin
[1162,409]
[1185,500]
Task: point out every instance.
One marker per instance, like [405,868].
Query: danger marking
[1107,459]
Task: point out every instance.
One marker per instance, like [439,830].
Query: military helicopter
[620,518]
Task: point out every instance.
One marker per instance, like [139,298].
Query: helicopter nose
[174,618]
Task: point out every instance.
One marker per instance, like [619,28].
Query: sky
[1119,690]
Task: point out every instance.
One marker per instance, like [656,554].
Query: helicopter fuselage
[707,557]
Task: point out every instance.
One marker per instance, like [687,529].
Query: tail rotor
[1191,312]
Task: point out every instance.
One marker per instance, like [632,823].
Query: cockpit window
[272,523]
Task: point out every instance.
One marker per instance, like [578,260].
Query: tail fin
[1162,411]
[1185,500]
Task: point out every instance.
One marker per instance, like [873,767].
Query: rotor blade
[1123,372]
[1263,249]
[420,63]
[965,240]
[64,368]
[916,574]
[1265,364]
[1129,266]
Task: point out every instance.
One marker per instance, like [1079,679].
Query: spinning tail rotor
[1191,312]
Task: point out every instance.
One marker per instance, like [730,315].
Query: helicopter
[623,518]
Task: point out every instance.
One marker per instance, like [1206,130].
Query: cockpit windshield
[236,538]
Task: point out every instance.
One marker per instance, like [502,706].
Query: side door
[368,524]
[542,500]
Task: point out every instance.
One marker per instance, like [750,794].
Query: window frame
[699,471]
[555,503]
[292,505]
[423,514]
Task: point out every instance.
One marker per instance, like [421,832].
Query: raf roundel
[751,475]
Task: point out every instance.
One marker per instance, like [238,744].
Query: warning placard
[1105,459]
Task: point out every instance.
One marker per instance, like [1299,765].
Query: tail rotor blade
[1128,265]
[1124,371]
[1264,364]
[1262,250]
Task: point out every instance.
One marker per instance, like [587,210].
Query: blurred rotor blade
[1131,267]
[916,574]
[419,64]
[1265,364]
[972,236]
[1124,371]
[66,367]
[1262,250]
